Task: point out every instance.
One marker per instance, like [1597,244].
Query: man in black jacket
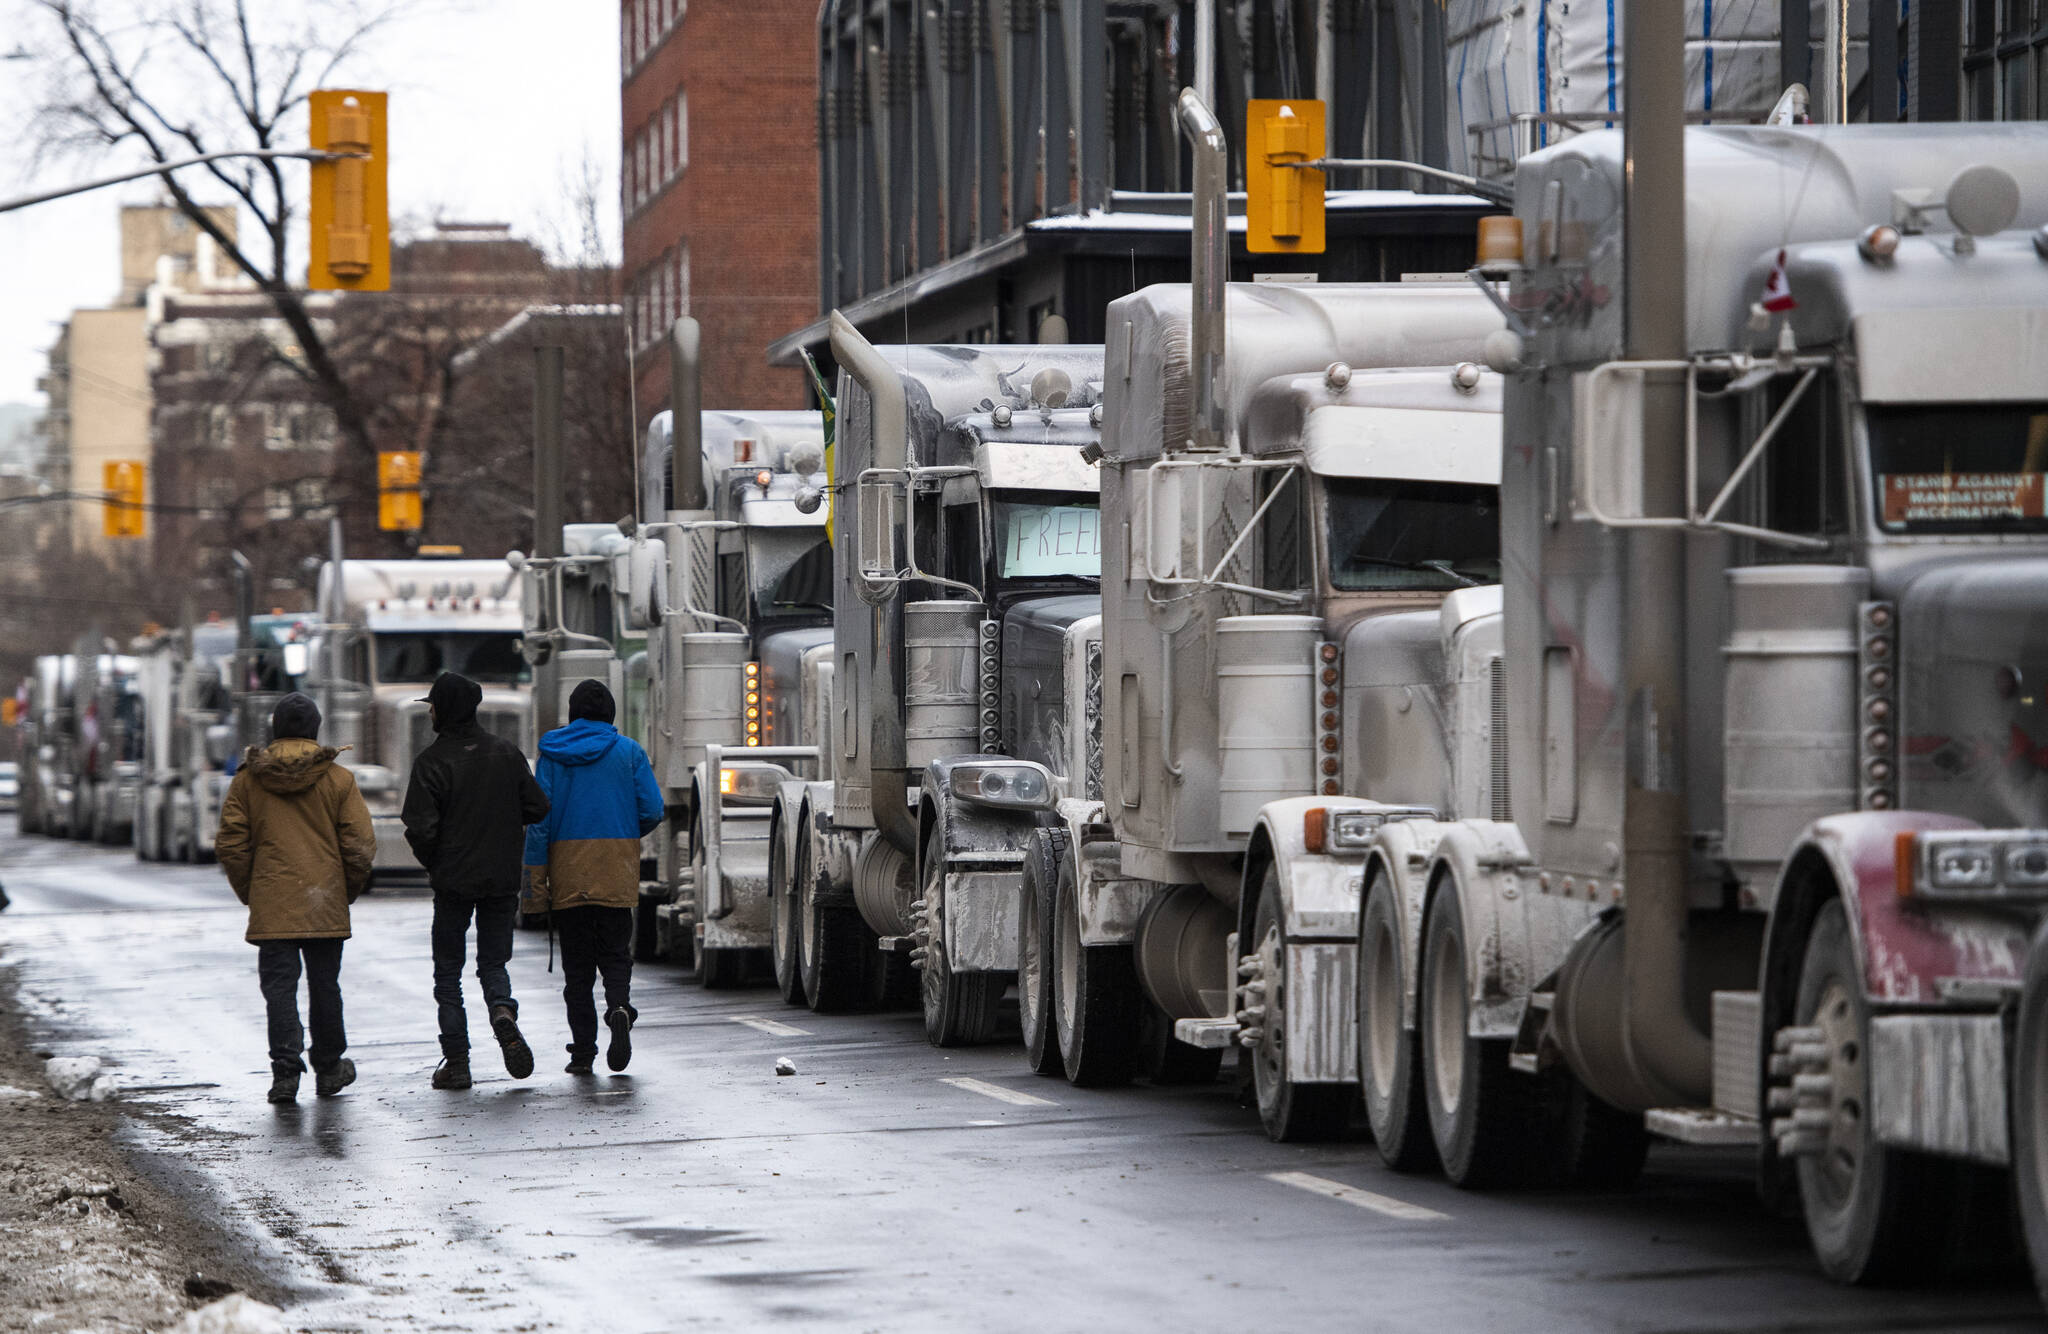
[470,795]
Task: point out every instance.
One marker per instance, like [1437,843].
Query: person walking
[465,805]
[296,842]
[583,865]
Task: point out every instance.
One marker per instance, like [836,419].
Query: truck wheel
[1389,1052]
[1165,1060]
[960,1009]
[1034,949]
[1095,997]
[2029,1104]
[1481,1111]
[837,952]
[1290,1111]
[783,936]
[1602,1146]
[1873,1214]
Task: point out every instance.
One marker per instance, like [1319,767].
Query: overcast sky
[496,105]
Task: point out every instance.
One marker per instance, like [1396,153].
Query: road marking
[772,1027]
[1364,1199]
[998,1092]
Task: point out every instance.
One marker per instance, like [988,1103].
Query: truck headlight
[2026,865]
[1016,784]
[1962,866]
[1352,831]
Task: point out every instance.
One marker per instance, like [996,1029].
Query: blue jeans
[277,972]
[494,921]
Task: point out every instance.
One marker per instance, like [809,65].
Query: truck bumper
[393,852]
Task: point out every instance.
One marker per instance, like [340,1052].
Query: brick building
[719,189]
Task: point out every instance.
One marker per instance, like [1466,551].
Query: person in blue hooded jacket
[583,865]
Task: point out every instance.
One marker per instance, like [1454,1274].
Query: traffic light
[1283,209]
[350,241]
[398,490]
[124,481]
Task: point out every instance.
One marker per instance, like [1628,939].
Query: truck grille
[1502,807]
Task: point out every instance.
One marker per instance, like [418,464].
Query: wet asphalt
[866,1192]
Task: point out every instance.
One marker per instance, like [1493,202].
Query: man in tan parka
[296,842]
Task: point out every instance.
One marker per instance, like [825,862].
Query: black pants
[277,971]
[594,940]
[494,921]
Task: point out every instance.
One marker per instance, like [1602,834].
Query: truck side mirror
[1607,443]
[646,565]
[879,510]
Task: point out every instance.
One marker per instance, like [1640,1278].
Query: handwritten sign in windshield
[1948,497]
[1044,541]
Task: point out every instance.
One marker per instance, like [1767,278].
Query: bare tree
[187,77]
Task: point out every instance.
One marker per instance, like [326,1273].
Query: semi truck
[389,628]
[965,616]
[730,579]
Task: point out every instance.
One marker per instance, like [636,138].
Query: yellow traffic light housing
[124,481]
[1283,208]
[398,491]
[350,241]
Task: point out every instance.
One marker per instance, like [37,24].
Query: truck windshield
[1959,467]
[1411,535]
[485,656]
[1048,541]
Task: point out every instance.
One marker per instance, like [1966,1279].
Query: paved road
[886,1186]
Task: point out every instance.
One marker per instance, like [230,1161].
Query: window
[682,131]
[277,424]
[1802,487]
[1284,562]
[277,502]
[215,497]
[309,497]
[1960,467]
[2005,59]
[220,426]
[1386,534]
[682,267]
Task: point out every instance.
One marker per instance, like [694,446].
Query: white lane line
[998,1092]
[773,1027]
[1364,1199]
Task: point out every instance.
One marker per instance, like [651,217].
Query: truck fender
[1908,950]
[789,803]
[1319,892]
[1486,864]
[1401,851]
[1110,903]
[984,849]
[971,833]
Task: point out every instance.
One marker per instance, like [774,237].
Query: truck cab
[392,627]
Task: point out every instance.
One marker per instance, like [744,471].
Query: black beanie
[295,716]
[592,700]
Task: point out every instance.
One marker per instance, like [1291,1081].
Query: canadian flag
[1778,289]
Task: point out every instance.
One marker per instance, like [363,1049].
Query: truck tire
[1096,1000]
[1482,1113]
[1291,1112]
[1389,1052]
[2029,1104]
[783,933]
[1034,949]
[1602,1146]
[1874,1215]
[838,954]
[1164,1060]
[960,1009]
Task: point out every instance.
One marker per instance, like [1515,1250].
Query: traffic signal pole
[165,168]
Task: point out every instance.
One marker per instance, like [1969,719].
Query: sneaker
[452,1073]
[620,1021]
[284,1083]
[518,1056]
[334,1078]
[580,1062]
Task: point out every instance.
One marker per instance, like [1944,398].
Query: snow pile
[80,1078]
[237,1313]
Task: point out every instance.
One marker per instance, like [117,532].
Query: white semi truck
[391,627]
[730,579]
[965,615]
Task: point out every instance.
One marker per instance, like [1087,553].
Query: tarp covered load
[1561,61]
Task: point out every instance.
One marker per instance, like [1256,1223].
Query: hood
[290,765]
[1973,637]
[585,741]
